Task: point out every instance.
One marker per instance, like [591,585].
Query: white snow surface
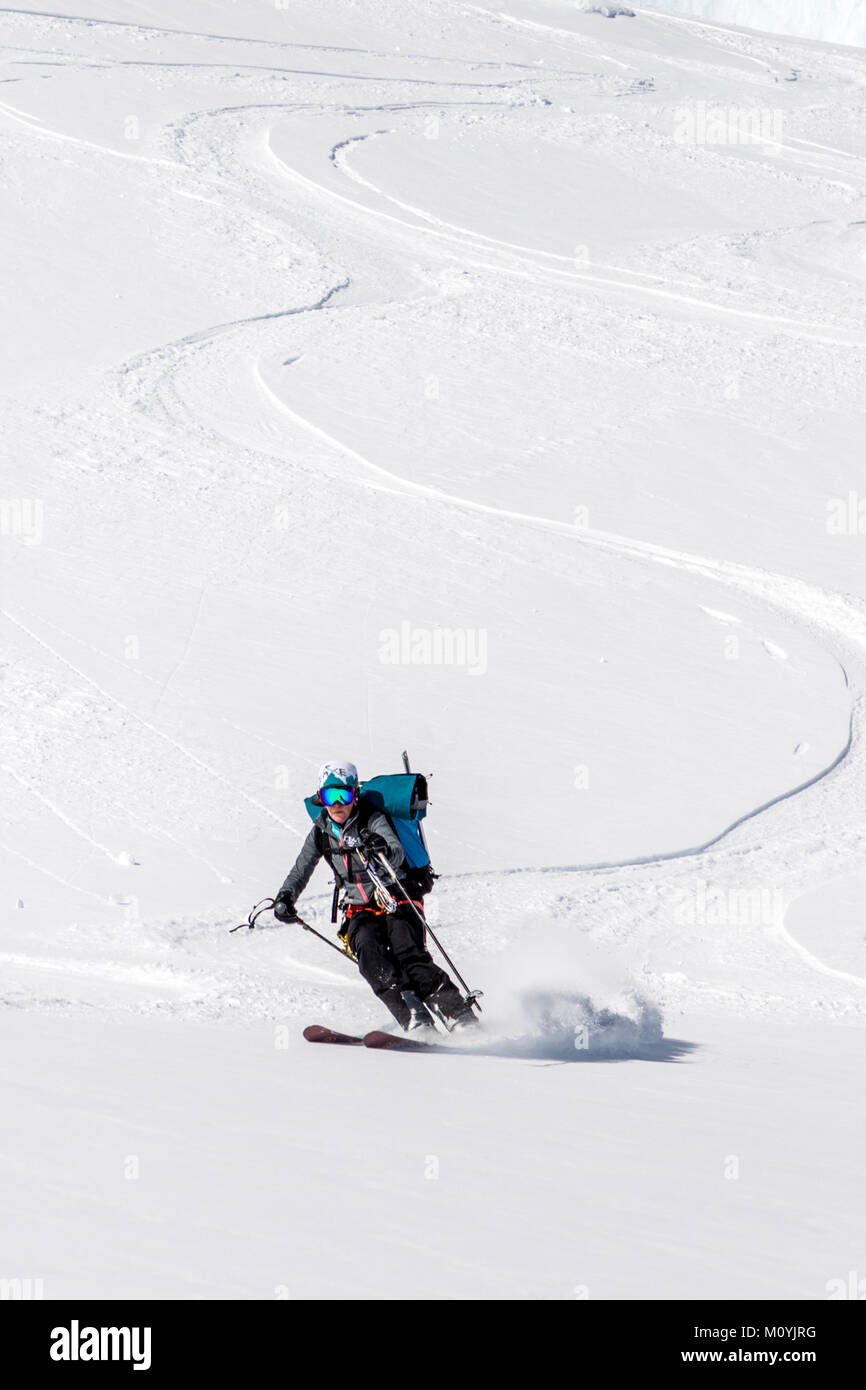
[834,21]
[479,339]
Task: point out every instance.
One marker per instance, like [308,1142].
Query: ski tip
[318,1033]
[378,1039]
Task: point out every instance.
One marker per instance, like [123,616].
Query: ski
[397,1042]
[319,1034]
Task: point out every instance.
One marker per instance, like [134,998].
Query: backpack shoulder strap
[326,842]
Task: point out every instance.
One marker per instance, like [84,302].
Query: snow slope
[834,21]
[487,383]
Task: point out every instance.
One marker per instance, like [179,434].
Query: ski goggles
[338,796]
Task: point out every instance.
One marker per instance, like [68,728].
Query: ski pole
[472,995]
[268,904]
[339,949]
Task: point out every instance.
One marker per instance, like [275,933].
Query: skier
[389,947]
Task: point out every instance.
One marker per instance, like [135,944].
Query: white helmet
[338,774]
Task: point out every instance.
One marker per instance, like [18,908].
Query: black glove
[284,908]
[424,877]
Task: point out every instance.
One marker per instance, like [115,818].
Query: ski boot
[455,1013]
[420,1019]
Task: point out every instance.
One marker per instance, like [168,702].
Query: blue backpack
[402,797]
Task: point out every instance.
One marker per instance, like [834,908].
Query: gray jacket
[346,863]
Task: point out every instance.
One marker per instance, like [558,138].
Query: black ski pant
[392,957]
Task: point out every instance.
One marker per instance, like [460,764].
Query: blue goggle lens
[338,796]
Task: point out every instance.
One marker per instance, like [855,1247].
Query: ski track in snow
[152,728]
[820,333]
[638,890]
